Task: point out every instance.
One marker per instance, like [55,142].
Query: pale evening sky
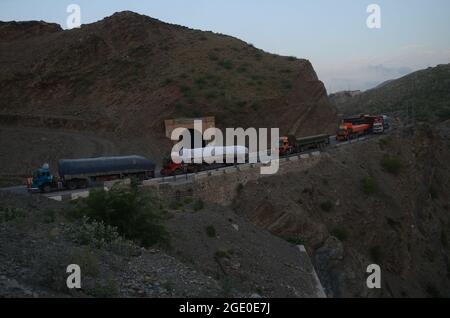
[332,34]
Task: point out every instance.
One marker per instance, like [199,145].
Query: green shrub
[176,205]
[9,214]
[49,216]
[392,164]
[341,234]
[226,64]
[167,82]
[104,289]
[186,90]
[326,206]
[287,84]
[223,254]
[86,259]
[297,240]
[369,185]
[384,142]
[211,231]
[198,205]
[213,57]
[135,216]
[98,235]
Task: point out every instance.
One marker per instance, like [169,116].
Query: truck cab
[42,180]
[285,147]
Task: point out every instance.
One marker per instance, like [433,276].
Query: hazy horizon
[345,53]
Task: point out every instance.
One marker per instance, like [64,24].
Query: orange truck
[348,131]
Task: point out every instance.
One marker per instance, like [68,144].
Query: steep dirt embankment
[384,202]
[128,73]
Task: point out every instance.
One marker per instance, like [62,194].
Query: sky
[332,34]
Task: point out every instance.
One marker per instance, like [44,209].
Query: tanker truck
[195,160]
[82,173]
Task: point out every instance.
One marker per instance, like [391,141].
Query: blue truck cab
[42,180]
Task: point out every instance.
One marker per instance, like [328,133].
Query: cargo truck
[291,144]
[82,173]
[195,160]
[348,131]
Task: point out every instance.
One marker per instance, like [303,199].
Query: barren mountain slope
[385,202]
[124,75]
[423,95]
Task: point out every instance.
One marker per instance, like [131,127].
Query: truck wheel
[82,184]
[72,185]
[46,188]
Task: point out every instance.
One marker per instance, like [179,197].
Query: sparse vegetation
[239,188]
[135,216]
[213,57]
[9,214]
[211,231]
[86,259]
[104,289]
[392,164]
[369,185]
[198,205]
[226,64]
[223,254]
[326,206]
[340,233]
[297,240]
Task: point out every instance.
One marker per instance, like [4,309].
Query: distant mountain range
[423,95]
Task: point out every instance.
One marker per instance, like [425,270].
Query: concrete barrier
[151,182]
[201,176]
[320,291]
[244,167]
[230,170]
[316,154]
[168,179]
[294,158]
[305,156]
[79,195]
[109,184]
[216,173]
[56,198]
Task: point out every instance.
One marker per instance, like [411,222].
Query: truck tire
[72,185]
[82,184]
[47,188]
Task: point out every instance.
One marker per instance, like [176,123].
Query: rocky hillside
[211,252]
[121,77]
[385,201]
[423,96]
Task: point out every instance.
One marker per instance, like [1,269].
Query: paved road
[333,143]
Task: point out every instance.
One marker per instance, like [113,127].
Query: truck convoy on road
[354,127]
[81,173]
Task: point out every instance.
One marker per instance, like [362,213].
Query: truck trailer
[348,131]
[291,144]
[195,160]
[82,173]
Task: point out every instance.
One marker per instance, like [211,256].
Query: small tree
[137,217]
